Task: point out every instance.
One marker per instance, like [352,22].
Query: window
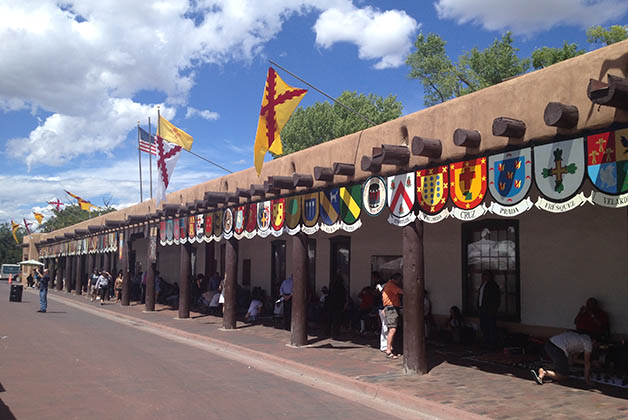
[277,266]
[491,245]
[340,263]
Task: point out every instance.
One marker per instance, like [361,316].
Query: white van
[7,269]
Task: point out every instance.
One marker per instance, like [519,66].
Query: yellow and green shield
[350,203]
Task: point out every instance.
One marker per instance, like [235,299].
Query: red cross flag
[278,103]
[167,157]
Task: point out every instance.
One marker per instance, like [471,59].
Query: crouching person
[561,348]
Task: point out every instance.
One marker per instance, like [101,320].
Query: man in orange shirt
[391,298]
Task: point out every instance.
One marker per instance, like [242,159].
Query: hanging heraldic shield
[238,223]
[177,230]
[374,195]
[183,231]
[350,207]
[263,219]
[558,173]
[509,181]
[169,231]
[607,165]
[217,220]
[401,194]
[278,216]
[209,226]
[200,219]
[293,214]
[192,228]
[467,183]
[309,213]
[251,221]
[432,191]
[329,210]
[227,223]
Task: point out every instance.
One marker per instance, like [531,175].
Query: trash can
[16,293]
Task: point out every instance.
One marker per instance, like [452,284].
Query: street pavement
[71,364]
[351,369]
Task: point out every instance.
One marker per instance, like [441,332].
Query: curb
[376,396]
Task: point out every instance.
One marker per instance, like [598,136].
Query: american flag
[147,143]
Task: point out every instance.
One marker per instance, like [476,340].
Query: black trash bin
[16,293]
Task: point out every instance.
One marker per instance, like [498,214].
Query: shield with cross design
[559,169]
[263,219]
[468,183]
[607,161]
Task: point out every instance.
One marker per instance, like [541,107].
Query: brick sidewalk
[481,389]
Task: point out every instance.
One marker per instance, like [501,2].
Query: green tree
[10,252]
[546,56]
[598,34]
[71,215]
[443,79]
[323,121]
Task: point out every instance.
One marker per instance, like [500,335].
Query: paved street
[70,364]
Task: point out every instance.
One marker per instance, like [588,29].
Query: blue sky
[74,81]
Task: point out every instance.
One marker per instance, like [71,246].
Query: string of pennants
[98,244]
[558,172]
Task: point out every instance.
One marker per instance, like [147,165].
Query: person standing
[285,290]
[336,305]
[43,291]
[489,299]
[391,299]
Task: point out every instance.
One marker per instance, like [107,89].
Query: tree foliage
[546,56]
[323,121]
[599,34]
[10,252]
[443,79]
[71,215]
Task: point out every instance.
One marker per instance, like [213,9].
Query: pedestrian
[102,286]
[561,348]
[92,285]
[391,299]
[118,286]
[336,304]
[285,290]
[489,299]
[29,280]
[43,291]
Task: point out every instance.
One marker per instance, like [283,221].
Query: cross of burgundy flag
[278,103]
[167,157]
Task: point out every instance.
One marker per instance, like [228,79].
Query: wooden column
[414,360]
[91,262]
[68,274]
[126,282]
[210,259]
[231,266]
[184,281]
[60,270]
[79,275]
[298,329]
[51,273]
[150,287]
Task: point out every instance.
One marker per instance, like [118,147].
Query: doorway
[340,260]
[277,267]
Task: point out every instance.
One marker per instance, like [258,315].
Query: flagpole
[324,94]
[139,156]
[150,158]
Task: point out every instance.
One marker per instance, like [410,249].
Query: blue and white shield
[510,176]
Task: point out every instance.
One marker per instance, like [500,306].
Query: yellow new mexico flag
[172,134]
[14,228]
[278,103]
[84,204]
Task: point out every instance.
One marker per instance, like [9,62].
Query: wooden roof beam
[509,127]
[324,174]
[613,94]
[430,148]
[561,115]
[467,138]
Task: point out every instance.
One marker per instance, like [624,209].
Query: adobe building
[527,179]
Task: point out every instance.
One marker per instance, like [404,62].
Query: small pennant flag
[27,226]
[278,103]
[57,204]
[84,204]
[172,134]
[39,217]
[14,228]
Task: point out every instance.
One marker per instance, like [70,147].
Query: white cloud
[84,62]
[530,16]
[206,114]
[384,36]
